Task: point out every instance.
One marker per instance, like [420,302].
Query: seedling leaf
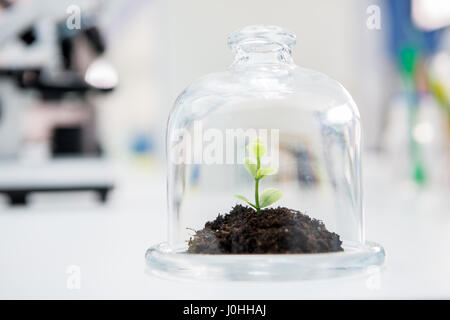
[257,148]
[251,167]
[245,200]
[269,196]
[241,197]
[265,172]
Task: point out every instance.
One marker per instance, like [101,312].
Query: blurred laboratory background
[85,91]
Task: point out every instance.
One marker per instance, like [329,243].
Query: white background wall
[167,44]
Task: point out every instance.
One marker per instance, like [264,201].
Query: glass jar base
[173,262]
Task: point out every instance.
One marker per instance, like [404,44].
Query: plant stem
[258,165]
[257,195]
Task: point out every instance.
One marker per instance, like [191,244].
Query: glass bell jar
[264,172]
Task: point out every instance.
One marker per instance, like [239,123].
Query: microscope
[50,72]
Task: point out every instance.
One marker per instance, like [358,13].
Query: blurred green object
[409,59]
[419,173]
[410,47]
[437,89]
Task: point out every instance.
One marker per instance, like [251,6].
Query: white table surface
[38,243]
[73,172]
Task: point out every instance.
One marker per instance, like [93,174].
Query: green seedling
[268,196]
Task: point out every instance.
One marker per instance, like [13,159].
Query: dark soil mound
[277,230]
